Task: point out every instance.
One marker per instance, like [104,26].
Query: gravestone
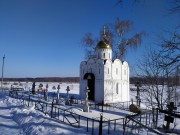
[33,88]
[86,105]
[67,102]
[58,88]
[168,118]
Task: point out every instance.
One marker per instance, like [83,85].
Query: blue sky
[42,38]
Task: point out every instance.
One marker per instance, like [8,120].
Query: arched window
[109,55]
[117,88]
[116,71]
[108,70]
[104,55]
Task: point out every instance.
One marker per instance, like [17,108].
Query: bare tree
[174,8]
[171,61]
[159,80]
[119,36]
[170,49]
[161,68]
[152,73]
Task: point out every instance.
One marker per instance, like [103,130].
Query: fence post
[146,117]
[58,113]
[92,126]
[79,122]
[46,108]
[114,125]
[102,105]
[87,124]
[100,124]
[156,118]
[108,126]
[124,125]
[29,100]
[63,115]
[52,109]
[153,115]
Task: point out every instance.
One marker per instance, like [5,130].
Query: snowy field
[18,119]
[74,87]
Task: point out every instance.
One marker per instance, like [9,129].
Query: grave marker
[138,93]
[86,105]
[67,99]
[168,118]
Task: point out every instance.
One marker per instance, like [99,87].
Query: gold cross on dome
[104,32]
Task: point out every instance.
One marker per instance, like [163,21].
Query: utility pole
[2,73]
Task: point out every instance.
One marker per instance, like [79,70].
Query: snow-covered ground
[18,119]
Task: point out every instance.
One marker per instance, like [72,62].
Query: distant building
[107,79]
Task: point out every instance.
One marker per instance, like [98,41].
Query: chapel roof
[103,44]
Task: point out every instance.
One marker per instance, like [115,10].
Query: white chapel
[106,78]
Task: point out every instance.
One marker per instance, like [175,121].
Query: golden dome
[103,44]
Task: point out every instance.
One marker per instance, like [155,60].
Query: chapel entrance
[91,84]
